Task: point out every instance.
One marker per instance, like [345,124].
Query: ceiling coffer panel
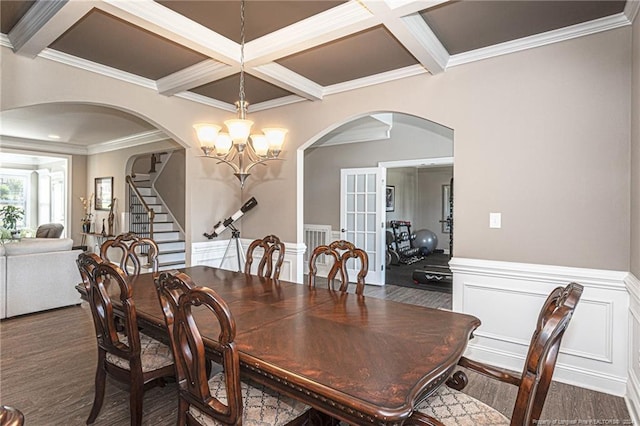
[262,17]
[228,90]
[462,26]
[363,54]
[107,40]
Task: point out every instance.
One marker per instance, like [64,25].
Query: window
[14,191]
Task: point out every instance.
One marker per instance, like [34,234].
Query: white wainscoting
[633,385]
[211,253]
[507,298]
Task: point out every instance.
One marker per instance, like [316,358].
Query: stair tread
[171,251]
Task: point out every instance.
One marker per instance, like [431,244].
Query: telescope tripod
[235,235]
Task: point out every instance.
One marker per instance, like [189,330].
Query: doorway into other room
[387,141]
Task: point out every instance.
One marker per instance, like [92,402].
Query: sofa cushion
[37,245]
[49,230]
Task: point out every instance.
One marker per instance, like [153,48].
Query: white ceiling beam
[414,34]
[407,7]
[322,28]
[286,79]
[196,75]
[155,18]
[44,22]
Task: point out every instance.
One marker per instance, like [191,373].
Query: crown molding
[631,8]
[378,133]
[5,42]
[194,97]
[554,36]
[372,80]
[128,142]
[274,103]
[83,64]
[41,146]
[196,75]
[33,21]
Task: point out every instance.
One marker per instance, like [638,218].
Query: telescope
[220,227]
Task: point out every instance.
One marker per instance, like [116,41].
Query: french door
[361,218]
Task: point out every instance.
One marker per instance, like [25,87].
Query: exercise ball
[426,240]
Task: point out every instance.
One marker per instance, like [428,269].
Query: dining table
[359,359]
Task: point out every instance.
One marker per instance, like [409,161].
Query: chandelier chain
[242,54]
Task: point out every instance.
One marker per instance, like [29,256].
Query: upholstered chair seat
[262,406]
[153,354]
[454,408]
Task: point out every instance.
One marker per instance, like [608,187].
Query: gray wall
[542,136]
[322,166]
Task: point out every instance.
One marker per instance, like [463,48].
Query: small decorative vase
[86,227]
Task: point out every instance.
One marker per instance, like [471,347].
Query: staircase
[166,233]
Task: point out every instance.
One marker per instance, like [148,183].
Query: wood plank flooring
[47,366]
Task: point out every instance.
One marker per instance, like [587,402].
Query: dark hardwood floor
[47,365]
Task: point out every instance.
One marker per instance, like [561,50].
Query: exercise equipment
[402,243]
[426,240]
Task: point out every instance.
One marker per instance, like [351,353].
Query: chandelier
[237,147]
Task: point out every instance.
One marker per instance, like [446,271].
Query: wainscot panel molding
[507,298]
[211,253]
[632,397]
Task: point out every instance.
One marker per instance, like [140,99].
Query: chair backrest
[266,268]
[340,252]
[129,247]
[552,322]
[178,295]
[102,279]
[49,230]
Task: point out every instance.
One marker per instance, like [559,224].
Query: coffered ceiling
[296,51]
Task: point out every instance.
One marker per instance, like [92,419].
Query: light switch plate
[495,220]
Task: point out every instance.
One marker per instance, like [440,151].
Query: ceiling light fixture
[233,148]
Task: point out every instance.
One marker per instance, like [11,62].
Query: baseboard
[632,398]
[507,297]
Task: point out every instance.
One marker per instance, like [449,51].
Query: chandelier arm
[235,168]
[261,162]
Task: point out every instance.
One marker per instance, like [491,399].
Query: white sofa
[37,274]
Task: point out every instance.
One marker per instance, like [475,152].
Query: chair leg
[100,383]
[136,393]
[183,407]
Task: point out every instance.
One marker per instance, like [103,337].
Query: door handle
[343,230]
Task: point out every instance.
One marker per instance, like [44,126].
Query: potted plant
[86,219]
[10,216]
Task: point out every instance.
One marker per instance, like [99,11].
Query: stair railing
[141,216]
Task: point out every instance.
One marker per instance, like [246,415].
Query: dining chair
[266,268]
[10,416]
[222,399]
[339,252]
[129,248]
[125,354]
[449,406]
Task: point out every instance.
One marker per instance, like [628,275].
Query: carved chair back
[266,268]
[178,295]
[101,279]
[541,359]
[129,248]
[340,252]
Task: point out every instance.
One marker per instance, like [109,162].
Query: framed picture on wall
[104,193]
[390,198]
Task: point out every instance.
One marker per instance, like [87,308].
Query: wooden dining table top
[360,359]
